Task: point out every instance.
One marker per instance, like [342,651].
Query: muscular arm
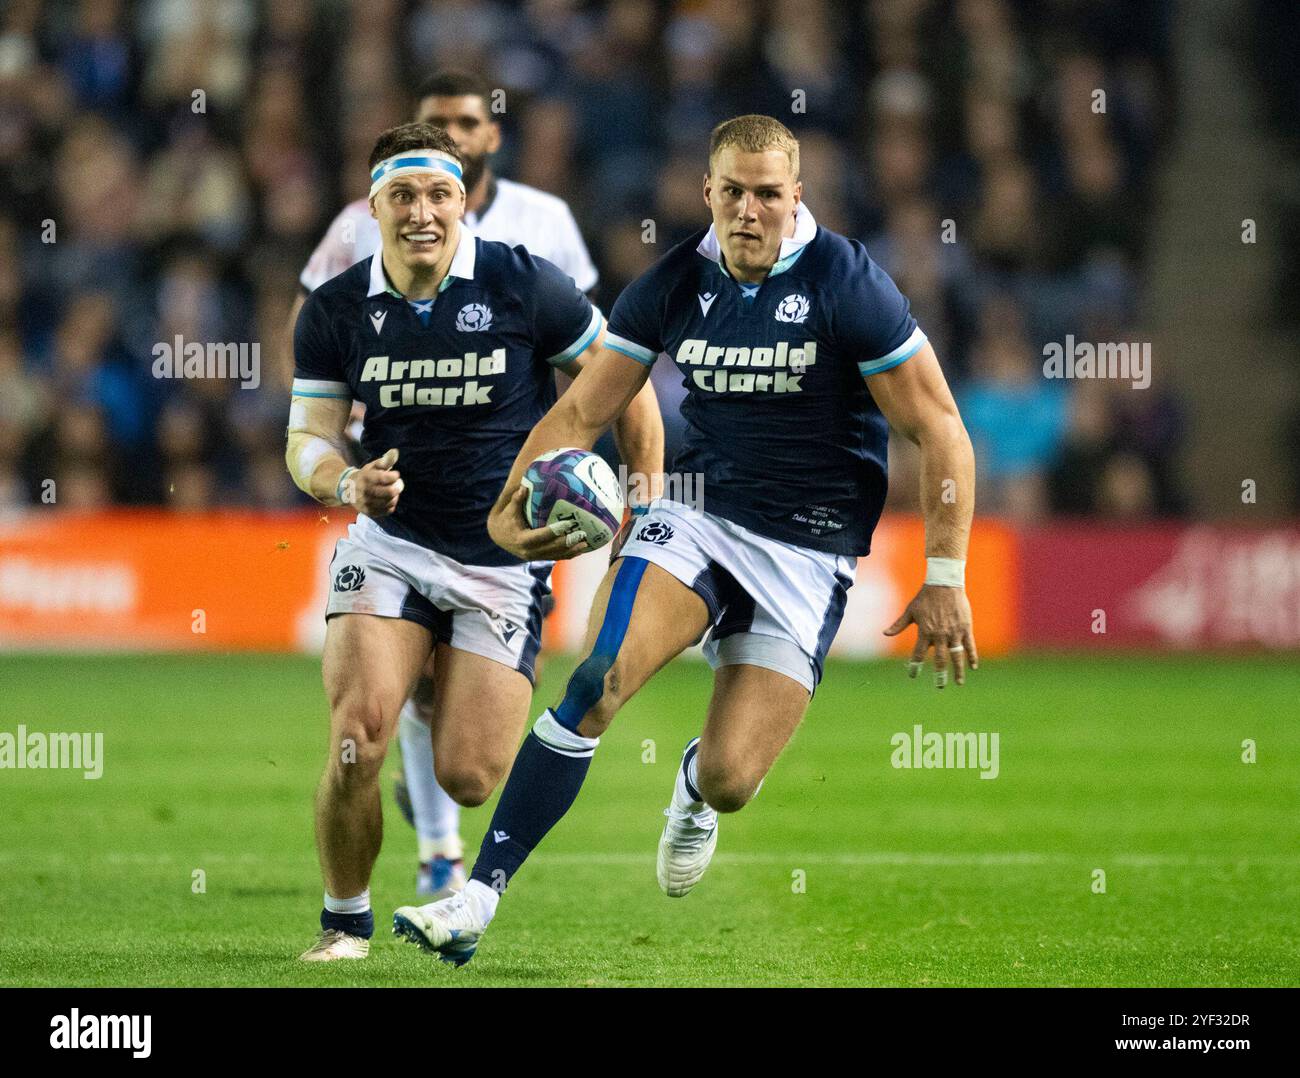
[317,459]
[607,388]
[915,398]
[315,450]
[638,433]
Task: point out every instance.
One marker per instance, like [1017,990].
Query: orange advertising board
[162,581]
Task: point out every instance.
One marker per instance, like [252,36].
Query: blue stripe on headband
[394,163]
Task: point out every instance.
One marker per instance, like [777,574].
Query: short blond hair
[754,134]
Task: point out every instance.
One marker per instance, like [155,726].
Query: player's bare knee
[594,692]
[725,791]
[361,739]
[359,717]
[601,714]
[468,786]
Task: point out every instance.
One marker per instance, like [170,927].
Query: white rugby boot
[449,928]
[689,838]
[333,945]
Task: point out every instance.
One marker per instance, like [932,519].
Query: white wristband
[945,572]
[339,492]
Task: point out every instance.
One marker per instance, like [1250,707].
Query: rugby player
[459,102]
[450,341]
[798,353]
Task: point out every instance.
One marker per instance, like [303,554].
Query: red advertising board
[1168,587]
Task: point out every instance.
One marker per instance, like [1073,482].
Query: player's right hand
[942,618]
[375,488]
[510,531]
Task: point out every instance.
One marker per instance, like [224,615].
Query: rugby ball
[574,484]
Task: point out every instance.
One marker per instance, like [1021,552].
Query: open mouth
[422,240]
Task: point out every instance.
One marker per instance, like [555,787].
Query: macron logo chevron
[706,301]
[377,320]
[499,836]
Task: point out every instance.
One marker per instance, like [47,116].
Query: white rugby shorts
[772,604]
[494,611]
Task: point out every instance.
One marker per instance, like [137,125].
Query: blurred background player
[460,103]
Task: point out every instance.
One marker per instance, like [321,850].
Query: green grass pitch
[844,870]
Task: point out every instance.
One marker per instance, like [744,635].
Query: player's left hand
[943,621]
[508,528]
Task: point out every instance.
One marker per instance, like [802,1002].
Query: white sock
[485,899]
[682,800]
[561,739]
[348,905]
[437,816]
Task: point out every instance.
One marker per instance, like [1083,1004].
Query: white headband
[413,161]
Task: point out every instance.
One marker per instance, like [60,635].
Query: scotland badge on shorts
[656,532]
[349,578]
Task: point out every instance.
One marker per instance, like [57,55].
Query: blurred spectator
[166,167]
[1126,492]
[1016,418]
[1089,443]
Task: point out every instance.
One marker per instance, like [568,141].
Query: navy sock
[543,784]
[354,924]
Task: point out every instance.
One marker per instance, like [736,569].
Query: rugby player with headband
[451,342]
[459,103]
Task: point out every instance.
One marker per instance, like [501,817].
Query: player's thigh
[752,715]
[480,707]
[369,666]
[641,618]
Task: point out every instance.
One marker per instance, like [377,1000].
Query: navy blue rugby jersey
[455,383]
[780,423]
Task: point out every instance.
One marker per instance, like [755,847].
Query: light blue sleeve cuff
[579,346]
[319,387]
[901,354]
[640,353]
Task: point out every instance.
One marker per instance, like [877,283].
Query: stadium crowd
[166,168]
